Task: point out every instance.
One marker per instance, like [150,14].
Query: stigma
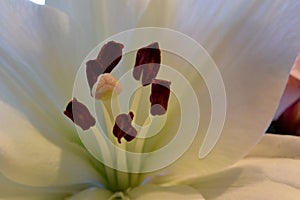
[107,59]
[106,85]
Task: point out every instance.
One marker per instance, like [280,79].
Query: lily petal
[277,146]
[28,158]
[254,53]
[168,193]
[10,190]
[92,194]
[264,174]
[40,51]
[97,18]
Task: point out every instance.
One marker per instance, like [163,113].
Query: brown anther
[79,114]
[93,70]
[159,98]
[123,127]
[106,85]
[147,63]
[108,57]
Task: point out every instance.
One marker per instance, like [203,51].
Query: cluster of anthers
[102,83]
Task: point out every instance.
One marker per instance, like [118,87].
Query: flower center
[107,59]
[102,84]
[104,87]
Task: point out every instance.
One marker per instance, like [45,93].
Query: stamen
[147,62]
[160,93]
[106,85]
[123,127]
[93,70]
[79,114]
[108,57]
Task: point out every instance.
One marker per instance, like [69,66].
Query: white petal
[40,51]
[12,191]
[254,44]
[29,158]
[254,179]
[277,146]
[263,175]
[258,191]
[92,194]
[98,18]
[168,193]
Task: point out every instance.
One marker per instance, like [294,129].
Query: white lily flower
[253,43]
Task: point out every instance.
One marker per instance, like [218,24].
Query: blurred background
[287,118]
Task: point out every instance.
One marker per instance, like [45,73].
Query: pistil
[107,59]
[107,84]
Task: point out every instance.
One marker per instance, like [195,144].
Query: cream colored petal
[168,193]
[259,191]
[254,179]
[99,18]
[254,44]
[277,146]
[270,171]
[92,194]
[28,158]
[10,190]
[40,52]
[34,197]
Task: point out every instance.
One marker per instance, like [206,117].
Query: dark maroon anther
[159,98]
[147,62]
[108,58]
[79,114]
[123,127]
[110,55]
[93,70]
